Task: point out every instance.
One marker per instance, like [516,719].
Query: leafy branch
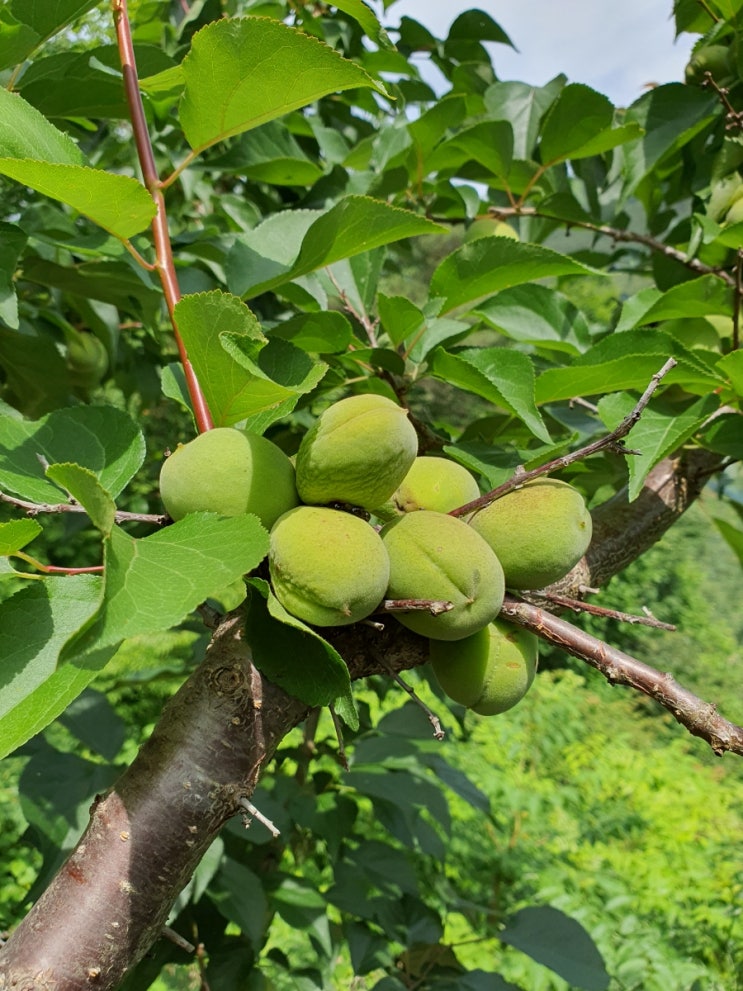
[617,234]
[611,442]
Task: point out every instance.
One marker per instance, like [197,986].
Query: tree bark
[109,902]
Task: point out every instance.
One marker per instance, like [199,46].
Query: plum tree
[327,567]
[490,671]
[539,532]
[229,472]
[357,451]
[440,558]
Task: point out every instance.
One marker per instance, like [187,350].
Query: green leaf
[238,895]
[371,26]
[325,332]
[534,314]
[523,106]
[695,298]
[100,438]
[560,943]
[202,319]
[399,317]
[85,489]
[724,434]
[25,133]
[669,116]
[16,39]
[480,25]
[268,154]
[34,626]
[153,583]
[236,77]
[117,203]
[15,534]
[12,243]
[626,361]
[85,83]
[242,373]
[489,264]
[26,24]
[579,124]
[292,654]
[267,256]
[502,376]
[489,143]
[659,431]
[731,366]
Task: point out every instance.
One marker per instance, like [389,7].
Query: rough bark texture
[109,902]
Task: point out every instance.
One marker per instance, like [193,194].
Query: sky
[614,46]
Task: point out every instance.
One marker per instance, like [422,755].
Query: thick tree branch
[700,718]
[624,530]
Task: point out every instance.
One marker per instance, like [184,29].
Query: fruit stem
[163,249]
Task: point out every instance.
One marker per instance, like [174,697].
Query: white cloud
[615,47]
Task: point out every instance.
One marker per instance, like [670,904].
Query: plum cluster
[331,565]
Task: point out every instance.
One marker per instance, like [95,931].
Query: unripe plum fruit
[437,484]
[229,472]
[490,671]
[357,451]
[539,532]
[440,558]
[327,567]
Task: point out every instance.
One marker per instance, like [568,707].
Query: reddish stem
[163,250]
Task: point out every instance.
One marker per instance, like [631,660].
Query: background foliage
[581,841]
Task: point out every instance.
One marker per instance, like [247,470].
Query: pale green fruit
[357,451]
[735,213]
[87,359]
[437,484]
[490,671]
[228,472]
[438,557]
[327,567]
[539,531]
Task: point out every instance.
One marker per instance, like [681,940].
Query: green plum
[327,567]
[357,451]
[490,671]
[539,532]
[440,558]
[229,472]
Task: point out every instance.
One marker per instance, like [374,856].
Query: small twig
[609,442]
[617,234]
[433,719]
[733,117]
[179,940]
[36,508]
[434,606]
[699,717]
[342,758]
[578,606]
[369,325]
[251,812]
